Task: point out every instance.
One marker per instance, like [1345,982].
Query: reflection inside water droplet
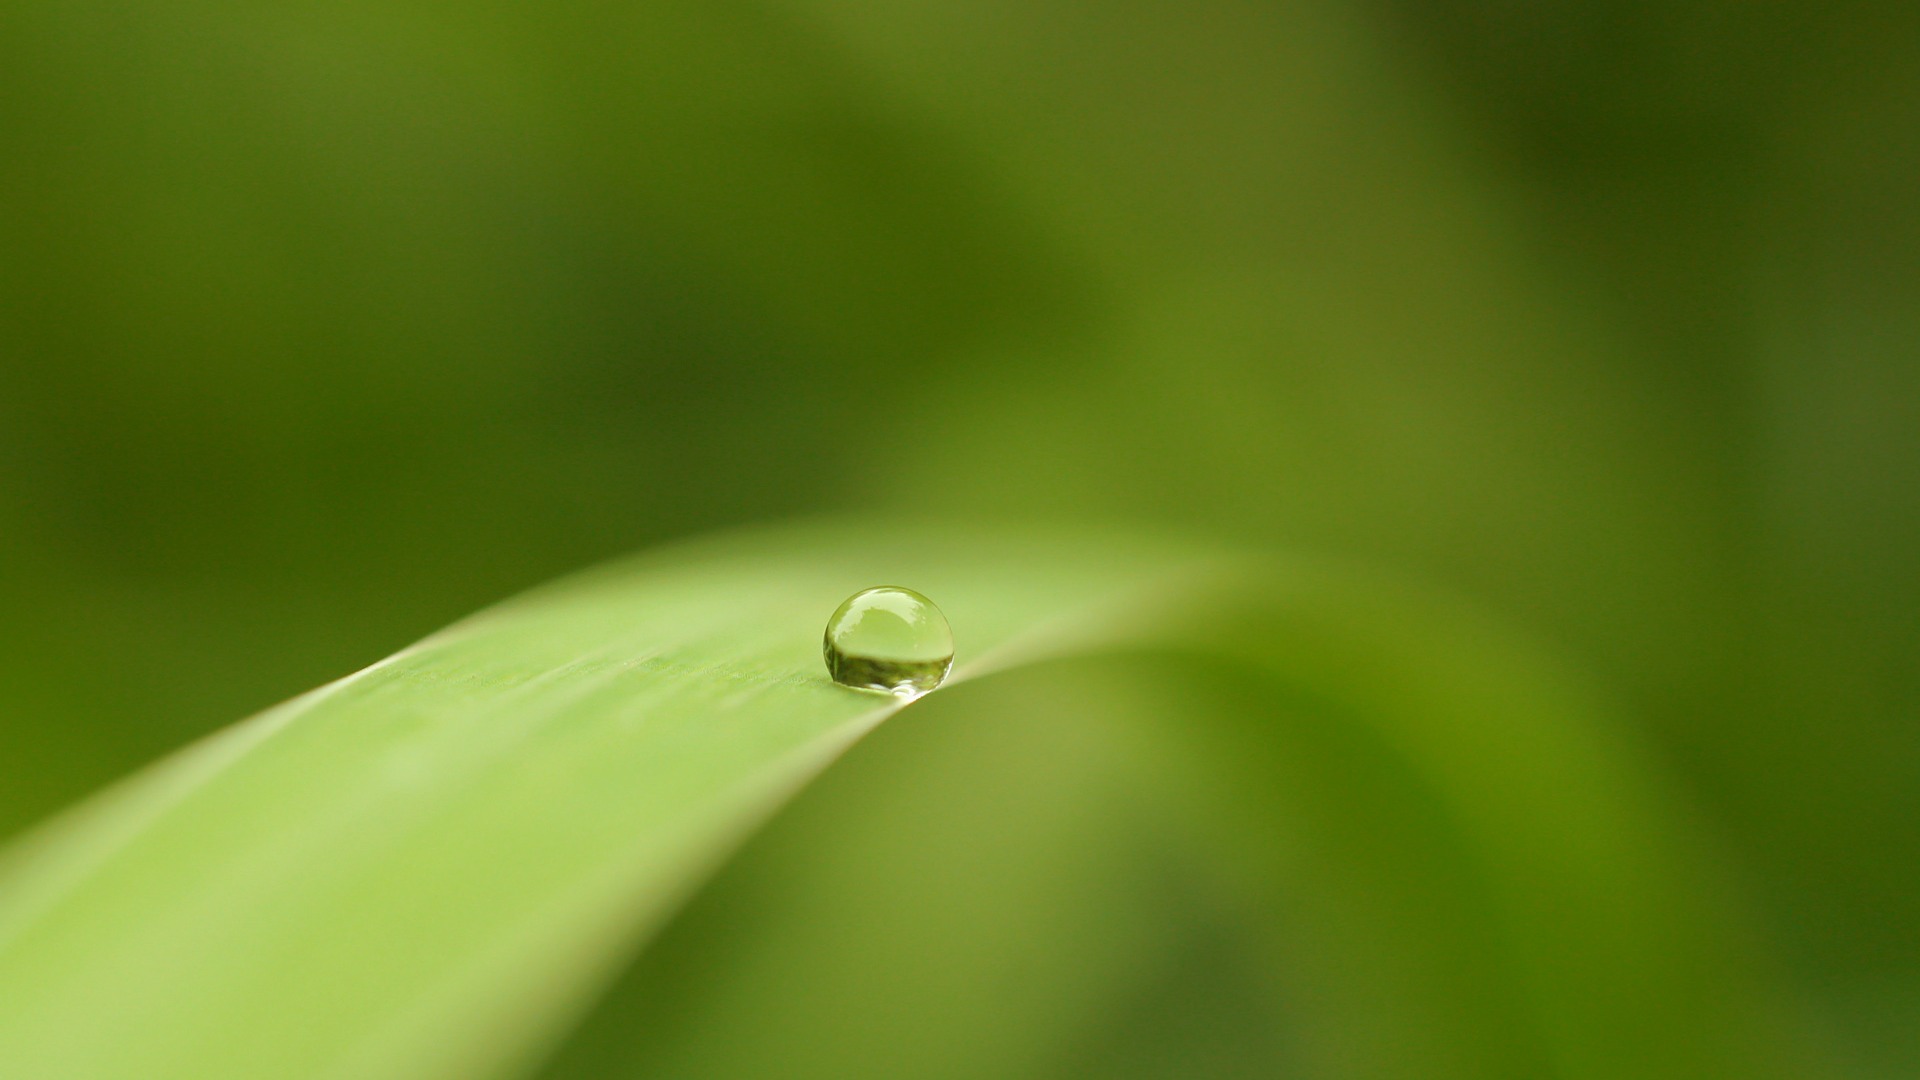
[889,639]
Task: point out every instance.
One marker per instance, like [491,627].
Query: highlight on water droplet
[889,639]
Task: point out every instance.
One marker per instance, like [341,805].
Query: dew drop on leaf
[889,639]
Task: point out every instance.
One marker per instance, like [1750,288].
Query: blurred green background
[322,325]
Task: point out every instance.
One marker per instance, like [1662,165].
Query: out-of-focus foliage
[320,325]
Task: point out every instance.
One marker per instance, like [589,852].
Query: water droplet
[889,639]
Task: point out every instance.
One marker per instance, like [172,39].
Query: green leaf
[431,868]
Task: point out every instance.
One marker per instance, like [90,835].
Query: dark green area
[323,325]
[890,676]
